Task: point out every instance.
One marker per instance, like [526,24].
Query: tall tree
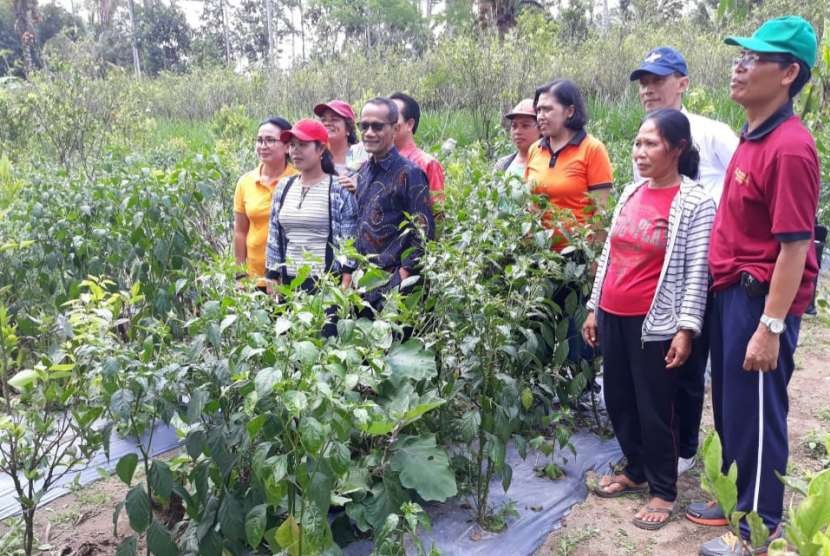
[25,16]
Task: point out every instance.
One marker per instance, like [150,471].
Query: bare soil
[602,527]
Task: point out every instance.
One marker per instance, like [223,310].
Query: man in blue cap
[762,265]
[663,77]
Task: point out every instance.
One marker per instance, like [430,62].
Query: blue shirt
[388,190]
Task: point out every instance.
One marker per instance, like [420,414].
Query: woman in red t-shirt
[647,304]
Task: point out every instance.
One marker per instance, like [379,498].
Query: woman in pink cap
[338,118]
[312,215]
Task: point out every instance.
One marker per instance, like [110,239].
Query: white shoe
[684,464]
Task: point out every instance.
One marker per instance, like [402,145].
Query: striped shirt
[304,217]
[680,299]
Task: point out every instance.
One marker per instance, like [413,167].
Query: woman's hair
[281,123]
[674,128]
[327,160]
[351,131]
[567,94]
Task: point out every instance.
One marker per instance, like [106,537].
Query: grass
[572,539]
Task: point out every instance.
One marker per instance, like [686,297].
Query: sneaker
[706,513]
[685,464]
[729,545]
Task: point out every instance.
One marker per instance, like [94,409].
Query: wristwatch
[776,326]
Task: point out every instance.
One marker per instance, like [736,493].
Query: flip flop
[653,525]
[600,491]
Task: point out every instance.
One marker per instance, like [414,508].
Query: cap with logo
[790,34]
[663,60]
[339,107]
[306,130]
[524,108]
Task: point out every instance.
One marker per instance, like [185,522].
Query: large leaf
[424,466]
[22,379]
[288,536]
[127,547]
[125,468]
[161,479]
[410,361]
[121,403]
[231,518]
[255,523]
[138,509]
[159,541]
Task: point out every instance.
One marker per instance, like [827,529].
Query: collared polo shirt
[716,143]
[431,167]
[770,196]
[252,198]
[567,175]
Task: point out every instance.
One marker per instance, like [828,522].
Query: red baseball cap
[306,130]
[339,107]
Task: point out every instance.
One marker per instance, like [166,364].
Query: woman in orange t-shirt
[252,197]
[567,165]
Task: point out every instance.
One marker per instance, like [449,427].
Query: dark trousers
[750,408]
[691,387]
[639,395]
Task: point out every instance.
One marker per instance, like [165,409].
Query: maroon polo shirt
[770,196]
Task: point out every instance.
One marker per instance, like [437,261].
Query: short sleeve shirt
[252,198]
[770,196]
[569,174]
[431,167]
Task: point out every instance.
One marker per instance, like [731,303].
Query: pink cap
[339,107]
[306,130]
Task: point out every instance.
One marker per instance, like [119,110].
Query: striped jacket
[680,298]
[342,226]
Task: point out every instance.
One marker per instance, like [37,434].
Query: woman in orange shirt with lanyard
[253,195]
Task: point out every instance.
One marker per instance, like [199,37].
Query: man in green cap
[762,264]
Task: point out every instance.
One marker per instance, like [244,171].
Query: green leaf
[198,399]
[758,531]
[410,361]
[138,509]
[820,484]
[128,547]
[125,468]
[159,540]
[424,467]
[265,380]
[161,479]
[23,379]
[288,536]
[527,399]
[295,402]
[231,518]
[255,523]
[195,443]
[373,278]
[121,403]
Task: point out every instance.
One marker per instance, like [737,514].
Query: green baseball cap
[789,34]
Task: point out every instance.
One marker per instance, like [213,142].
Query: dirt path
[599,527]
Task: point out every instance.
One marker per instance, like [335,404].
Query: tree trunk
[134,40]
[269,20]
[226,33]
[25,12]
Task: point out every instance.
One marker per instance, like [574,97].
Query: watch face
[776,326]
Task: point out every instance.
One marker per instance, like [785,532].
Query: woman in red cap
[338,118]
[252,198]
[312,214]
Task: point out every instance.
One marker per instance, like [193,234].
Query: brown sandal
[653,525]
[602,492]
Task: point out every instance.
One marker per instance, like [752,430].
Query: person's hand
[271,288]
[348,183]
[762,350]
[680,349]
[404,273]
[589,330]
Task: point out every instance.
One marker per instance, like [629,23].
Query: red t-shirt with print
[770,195]
[638,247]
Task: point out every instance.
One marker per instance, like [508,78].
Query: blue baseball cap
[663,60]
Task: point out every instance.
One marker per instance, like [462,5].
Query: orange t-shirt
[569,174]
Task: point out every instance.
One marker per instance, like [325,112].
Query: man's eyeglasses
[270,141]
[750,59]
[377,127]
